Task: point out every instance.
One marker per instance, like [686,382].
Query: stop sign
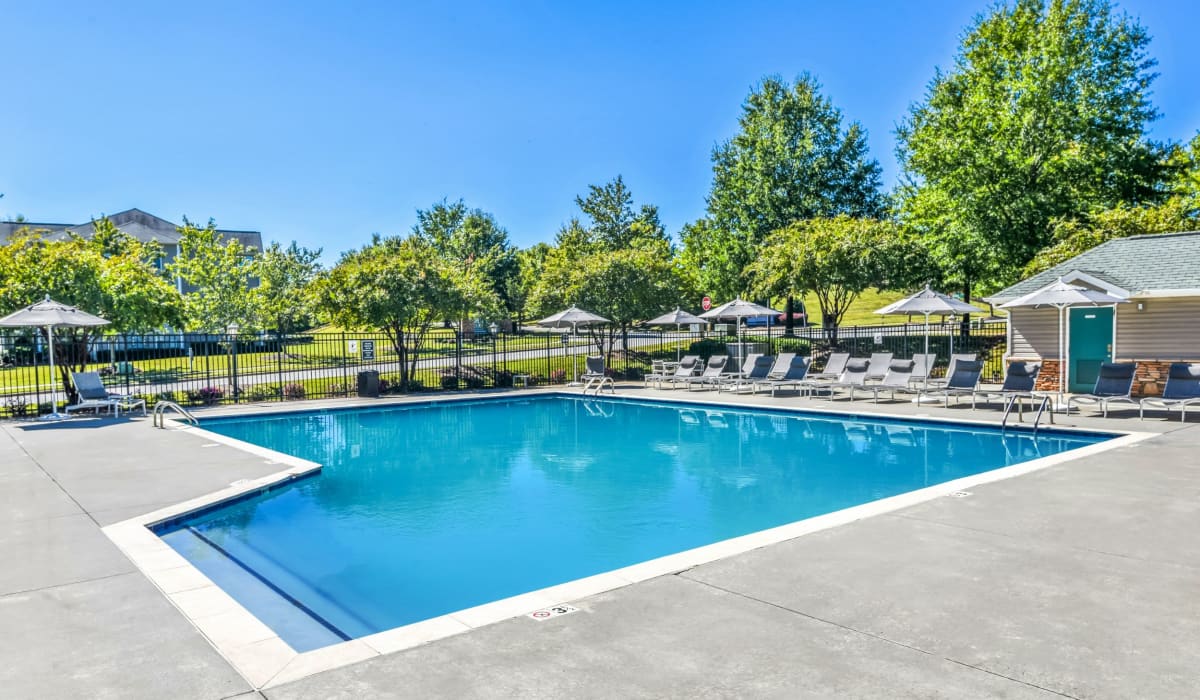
[706,303]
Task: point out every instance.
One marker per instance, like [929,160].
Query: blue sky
[327,122]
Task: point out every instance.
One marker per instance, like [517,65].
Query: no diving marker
[547,613]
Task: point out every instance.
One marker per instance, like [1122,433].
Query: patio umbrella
[928,302]
[737,310]
[676,318]
[50,313]
[572,317]
[1061,295]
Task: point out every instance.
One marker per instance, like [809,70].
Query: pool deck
[1079,580]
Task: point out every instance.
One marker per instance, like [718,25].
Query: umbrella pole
[54,414]
[1061,360]
[928,365]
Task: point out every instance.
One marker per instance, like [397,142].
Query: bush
[339,389]
[558,376]
[707,347]
[18,406]
[293,391]
[262,392]
[504,378]
[208,396]
[449,382]
[796,345]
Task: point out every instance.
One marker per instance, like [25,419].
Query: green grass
[862,310]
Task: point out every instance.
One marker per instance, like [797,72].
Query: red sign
[706,303]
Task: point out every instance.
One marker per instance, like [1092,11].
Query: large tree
[1043,117]
[108,274]
[402,286]
[218,274]
[281,298]
[472,239]
[792,159]
[837,259]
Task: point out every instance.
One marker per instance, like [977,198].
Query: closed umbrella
[50,313]
[676,318]
[572,317]
[1062,295]
[927,302]
[737,310]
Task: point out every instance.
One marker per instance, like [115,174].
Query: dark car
[798,318]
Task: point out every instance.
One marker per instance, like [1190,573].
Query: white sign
[352,347]
[547,613]
[879,339]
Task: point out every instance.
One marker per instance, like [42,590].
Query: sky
[327,122]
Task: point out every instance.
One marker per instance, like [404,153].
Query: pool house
[1159,323]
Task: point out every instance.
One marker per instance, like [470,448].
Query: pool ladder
[1043,403]
[159,419]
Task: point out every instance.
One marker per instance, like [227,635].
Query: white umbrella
[737,310]
[928,302]
[572,317]
[50,313]
[676,318]
[1061,295]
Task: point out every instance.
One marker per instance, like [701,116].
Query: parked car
[799,318]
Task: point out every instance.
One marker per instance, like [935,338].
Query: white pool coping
[265,660]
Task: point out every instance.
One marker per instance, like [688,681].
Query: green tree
[1043,117]
[217,274]
[402,286]
[530,263]
[109,274]
[837,259]
[473,239]
[281,299]
[792,159]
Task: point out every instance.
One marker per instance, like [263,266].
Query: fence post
[125,360]
[279,359]
[494,361]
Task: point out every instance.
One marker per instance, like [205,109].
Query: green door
[1089,345]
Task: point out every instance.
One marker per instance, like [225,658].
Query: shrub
[208,396]
[293,391]
[262,392]
[340,389]
[449,382]
[796,345]
[707,347]
[18,406]
[558,376]
[504,378]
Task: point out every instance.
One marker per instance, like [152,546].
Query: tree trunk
[789,326]
[965,326]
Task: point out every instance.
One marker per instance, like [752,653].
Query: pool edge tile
[414,635]
[323,659]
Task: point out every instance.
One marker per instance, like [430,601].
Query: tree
[791,160]
[400,285]
[218,274]
[281,298]
[837,259]
[1042,118]
[474,240]
[530,263]
[111,275]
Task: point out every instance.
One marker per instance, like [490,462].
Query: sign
[706,303]
[879,339]
[547,613]
[352,347]
[566,339]
[368,349]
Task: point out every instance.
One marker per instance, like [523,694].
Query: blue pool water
[424,510]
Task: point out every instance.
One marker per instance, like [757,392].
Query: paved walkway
[1080,580]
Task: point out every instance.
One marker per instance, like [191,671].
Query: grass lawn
[862,311]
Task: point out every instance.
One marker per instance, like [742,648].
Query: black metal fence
[208,369]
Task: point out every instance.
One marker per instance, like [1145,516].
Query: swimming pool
[423,510]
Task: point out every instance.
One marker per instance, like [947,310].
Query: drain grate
[959,494]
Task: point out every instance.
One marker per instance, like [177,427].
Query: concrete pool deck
[1079,580]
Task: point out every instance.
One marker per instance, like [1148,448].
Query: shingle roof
[1137,263]
[135,222]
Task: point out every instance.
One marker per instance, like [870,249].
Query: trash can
[368,384]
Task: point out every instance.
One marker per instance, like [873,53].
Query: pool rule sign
[368,349]
[547,613]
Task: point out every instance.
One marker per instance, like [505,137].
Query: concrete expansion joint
[27,591]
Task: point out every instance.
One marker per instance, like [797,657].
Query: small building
[137,224]
[1157,275]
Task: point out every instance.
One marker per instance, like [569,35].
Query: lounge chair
[922,366]
[93,395]
[759,371]
[963,382]
[596,376]
[1115,383]
[834,366]
[711,375]
[1019,380]
[954,360]
[795,375]
[854,376]
[897,379]
[783,362]
[687,368]
[1182,390]
[879,364]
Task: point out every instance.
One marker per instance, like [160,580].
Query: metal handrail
[1044,402]
[159,420]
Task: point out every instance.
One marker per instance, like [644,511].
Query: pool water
[424,510]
